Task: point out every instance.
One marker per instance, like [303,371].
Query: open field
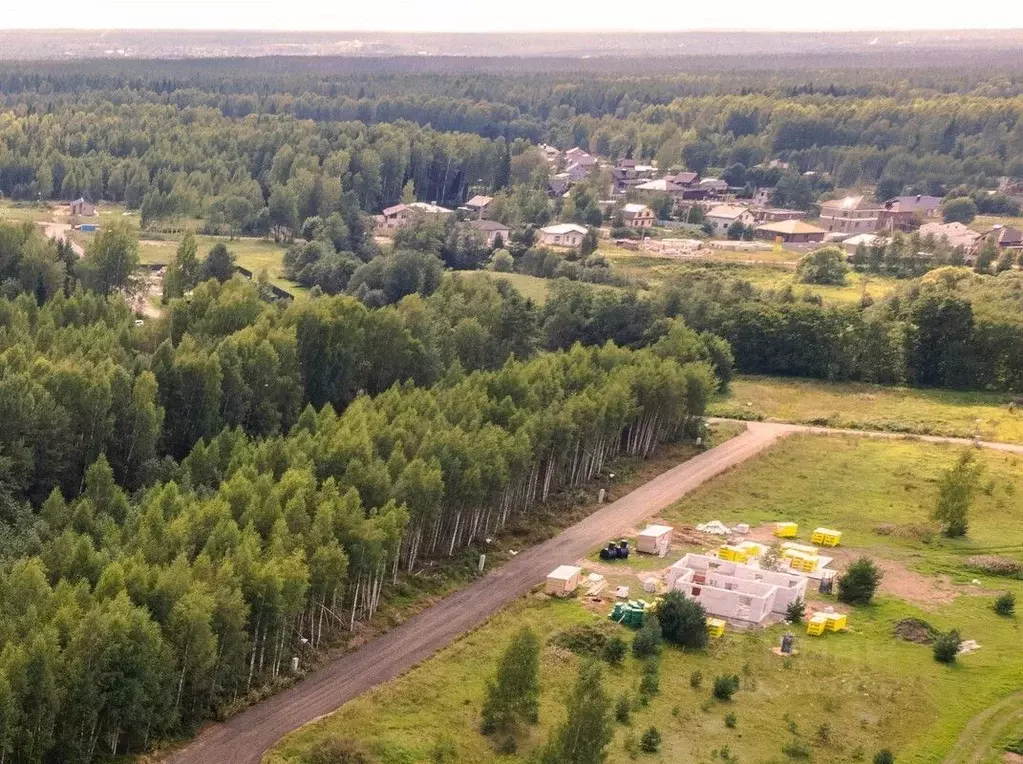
[842,698]
[983,223]
[532,287]
[654,271]
[872,407]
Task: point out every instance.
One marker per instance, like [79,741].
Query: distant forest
[218,137]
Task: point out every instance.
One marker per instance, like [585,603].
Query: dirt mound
[915,630]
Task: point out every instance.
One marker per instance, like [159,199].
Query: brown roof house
[853,214]
[638,216]
[905,213]
[1005,236]
[790,231]
[491,229]
[954,234]
[477,206]
[400,214]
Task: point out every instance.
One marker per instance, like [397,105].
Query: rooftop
[563,228]
[790,227]
[730,211]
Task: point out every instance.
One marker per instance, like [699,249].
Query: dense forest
[188,501]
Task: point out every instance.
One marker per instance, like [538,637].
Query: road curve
[244,738]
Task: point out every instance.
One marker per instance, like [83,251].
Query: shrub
[796,611]
[796,749]
[946,646]
[623,709]
[859,582]
[683,621]
[647,641]
[343,751]
[725,686]
[695,680]
[731,720]
[651,740]
[588,640]
[822,266]
[650,684]
[614,651]
[1005,604]
[884,756]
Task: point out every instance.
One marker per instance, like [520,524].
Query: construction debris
[715,528]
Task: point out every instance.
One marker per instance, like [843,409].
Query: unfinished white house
[735,590]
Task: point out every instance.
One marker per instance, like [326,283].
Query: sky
[517,15]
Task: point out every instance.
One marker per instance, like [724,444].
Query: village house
[81,208]
[580,157]
[477,206]
[776,215]
[904,213]
[851,244]
[577,172]
[723,215]
[762,196]
[713,186]
[1005,236]
[550,153]
[401,214]
[562,235]
[954,234]
[491,229]
[638,216]
[853,214]
[790,231]
[558,185]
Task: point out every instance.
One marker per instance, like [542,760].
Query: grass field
[840,699]
[983,223]
[872,407]
[654,271]
[532,287]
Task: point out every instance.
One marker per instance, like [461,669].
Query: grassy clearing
[984,223]
[842,698]
[872,407]
[531,287]
[774,256]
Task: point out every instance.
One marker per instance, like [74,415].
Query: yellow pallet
[752,548]
[786,530]
[732,553]
[816,625]
[802,562]
[793,546]
[836,621]
[826,537]
[715,627]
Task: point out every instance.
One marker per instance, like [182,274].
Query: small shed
[654,539]
[563,580]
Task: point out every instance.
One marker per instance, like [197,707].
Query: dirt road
[244,738]
[60,231]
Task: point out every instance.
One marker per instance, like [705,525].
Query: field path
[983,730]
[244,738]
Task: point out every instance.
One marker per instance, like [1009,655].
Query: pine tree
[584,736]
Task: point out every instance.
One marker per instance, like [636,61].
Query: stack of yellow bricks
[715,627]
[822,622]
[800,556]
[826,537]
[786,530]
[732,553]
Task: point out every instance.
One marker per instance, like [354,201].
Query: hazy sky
[516,15]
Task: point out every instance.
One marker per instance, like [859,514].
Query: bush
[623,709]
[341,751]
[731,720]
[614,651]
[822,266]
[647,642]
[587,640]
[946,646]
[695,680]
[650,684]
[1005,604]
[651,740]
[859,582]
[683,621]
[884,756]
[796,611]
[725,686]
[796,749]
